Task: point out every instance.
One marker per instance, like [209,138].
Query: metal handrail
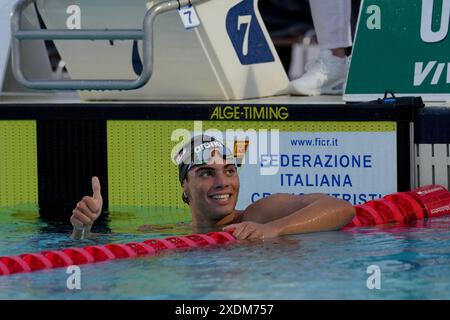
[145,34]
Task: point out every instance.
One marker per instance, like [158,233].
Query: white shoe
[326,75]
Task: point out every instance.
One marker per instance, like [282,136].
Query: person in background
[328,74]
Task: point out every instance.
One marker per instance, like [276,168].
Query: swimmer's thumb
[96,189]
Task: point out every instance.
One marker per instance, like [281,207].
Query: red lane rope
[411,208]
[425,202]
[36,261]
[14,264]
[160,244]
[4,270]
[100,253]
[58,258]
[367,216]
[29,262]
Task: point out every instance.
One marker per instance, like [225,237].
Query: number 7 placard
[246,34]
[189,17]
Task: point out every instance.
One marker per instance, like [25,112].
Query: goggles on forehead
[206,153]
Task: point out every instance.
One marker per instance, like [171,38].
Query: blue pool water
[414,262]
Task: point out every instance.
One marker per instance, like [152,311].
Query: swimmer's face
[213,188]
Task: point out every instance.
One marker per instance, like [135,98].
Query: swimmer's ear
[185,198]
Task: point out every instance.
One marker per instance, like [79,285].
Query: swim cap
[200,150]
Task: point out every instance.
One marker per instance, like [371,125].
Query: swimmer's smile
[221,198]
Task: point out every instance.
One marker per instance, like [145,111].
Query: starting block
[5,7]
[210,50]
[34,55]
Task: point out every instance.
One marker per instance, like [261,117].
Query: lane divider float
[403,207]
[29,262]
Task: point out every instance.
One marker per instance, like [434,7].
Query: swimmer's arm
[79,234]
[284,214]
[322,214]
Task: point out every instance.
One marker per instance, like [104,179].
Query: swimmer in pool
[210,185]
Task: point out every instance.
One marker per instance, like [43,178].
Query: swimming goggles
[210,152]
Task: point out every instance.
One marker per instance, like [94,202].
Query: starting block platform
[212,50]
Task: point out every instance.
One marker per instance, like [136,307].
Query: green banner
[401,46]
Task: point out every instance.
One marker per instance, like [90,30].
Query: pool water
[413,260]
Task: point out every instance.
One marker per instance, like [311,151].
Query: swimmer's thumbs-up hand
[87,210]
[97,203]
[96,189]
